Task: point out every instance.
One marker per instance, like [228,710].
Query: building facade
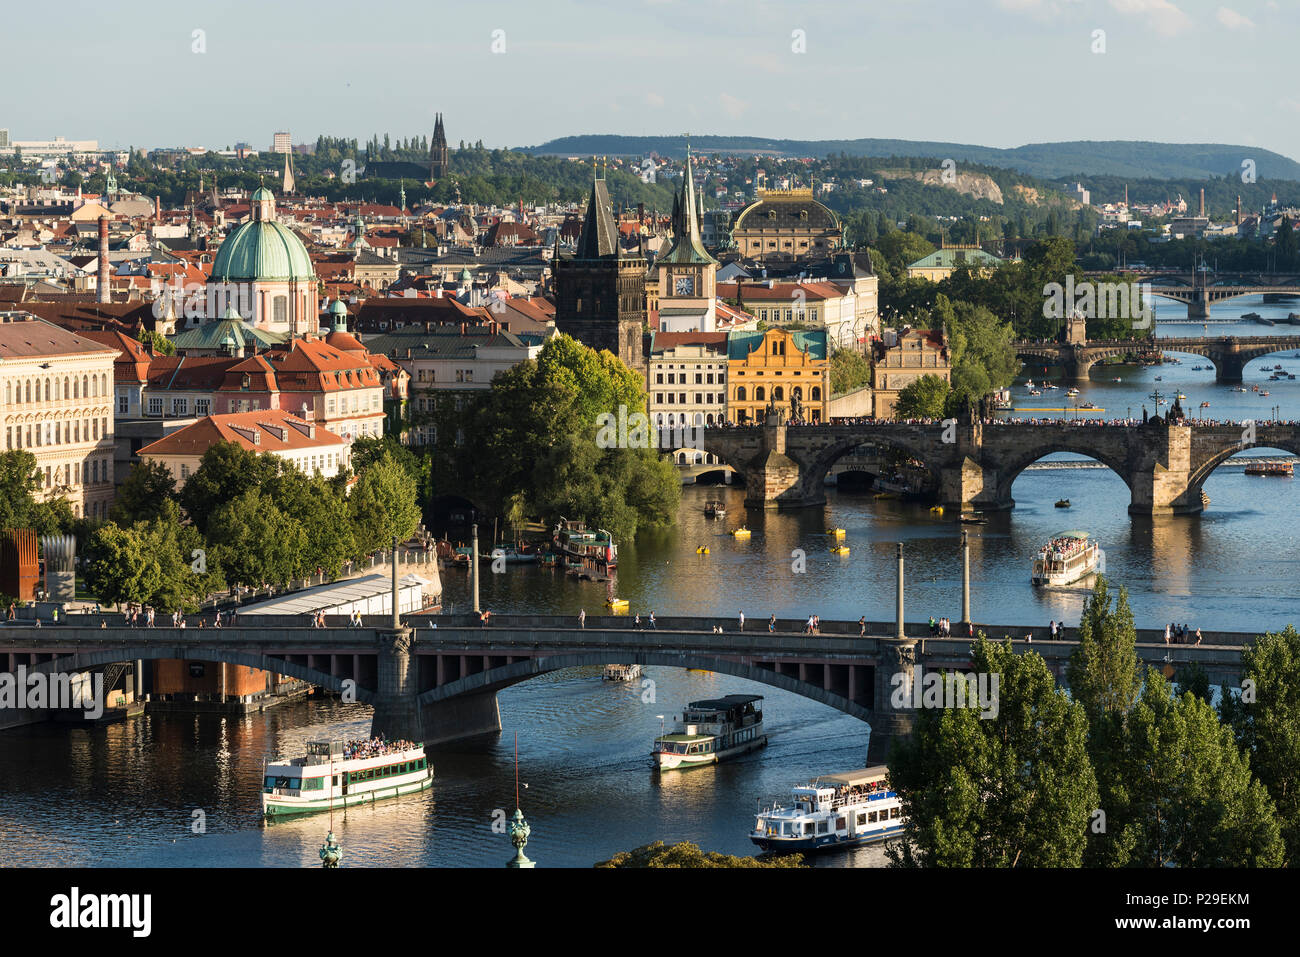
[687,293]
[901,359]
[56,390]
[786,224]
[772,369]
[687,381]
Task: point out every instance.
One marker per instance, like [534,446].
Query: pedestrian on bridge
[771,624]
[742,621]
[582,618]
[862,627]
[652,622]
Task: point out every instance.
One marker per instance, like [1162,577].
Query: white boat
[712,730]
[340,774]
[621,672]
[1068,557]
[1072,392]
[835,810]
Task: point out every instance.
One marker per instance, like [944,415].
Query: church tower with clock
[688,288]
[600,290]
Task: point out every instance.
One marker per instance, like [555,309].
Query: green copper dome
[262,250]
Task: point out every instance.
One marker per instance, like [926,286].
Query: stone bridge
[1228,353]
[972,465]
[439,684]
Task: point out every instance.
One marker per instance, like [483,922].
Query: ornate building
[786,224]
[599,290]
[57,404]
[263,271]
[687,273]
[789,371]
[438,151]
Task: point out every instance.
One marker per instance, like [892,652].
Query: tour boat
[621,673]
[712,730]
[1068,557]
[595,551]
[1286,469]
[835,810]
[334,774]
[714,509]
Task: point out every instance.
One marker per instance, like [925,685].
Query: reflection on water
[126,794]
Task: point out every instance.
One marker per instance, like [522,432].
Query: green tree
[121,566]
[383,505]
[226,471]
[687,854]
[321,508]
[1192,801]
[1265,719]
[1012,790]
[18,484]
[849,370]
[923,398]
[147,486]
[256,543]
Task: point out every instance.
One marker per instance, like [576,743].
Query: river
[126,794]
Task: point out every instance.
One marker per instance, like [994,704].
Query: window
[155,405]
[180,406]
[123,405]
[202,407]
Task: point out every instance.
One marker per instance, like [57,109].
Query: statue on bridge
[796,407]
[774,414]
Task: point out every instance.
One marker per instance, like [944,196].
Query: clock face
[684,285]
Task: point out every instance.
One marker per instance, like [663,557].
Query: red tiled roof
[276,431]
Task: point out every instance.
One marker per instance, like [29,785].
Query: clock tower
[688,289]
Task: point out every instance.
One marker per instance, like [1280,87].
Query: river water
[127,794]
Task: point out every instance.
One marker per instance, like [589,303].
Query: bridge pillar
[1198,308]
[1160,485]
[398,713]
[774,480]
[897,658]
[1229,363]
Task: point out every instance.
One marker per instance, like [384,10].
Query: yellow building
[775,367]
[56,400]
[902,358]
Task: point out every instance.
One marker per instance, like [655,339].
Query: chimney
[103,282]
[1202,213]
[1238,209]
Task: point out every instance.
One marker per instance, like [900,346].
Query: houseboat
[338,774]
[835,810]
[1068,557]
[712,730]
[585,549]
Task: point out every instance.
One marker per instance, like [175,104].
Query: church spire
[599,231]
[288,183]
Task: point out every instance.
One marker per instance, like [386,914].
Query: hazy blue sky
[991,72]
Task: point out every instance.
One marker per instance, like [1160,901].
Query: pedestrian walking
[652,622]
[742,621]
[862,626]
[1198,636]
[636,622]
[582,618]
[771,624]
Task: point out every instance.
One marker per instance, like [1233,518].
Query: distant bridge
[973,465]
[439,684]
[1228,353]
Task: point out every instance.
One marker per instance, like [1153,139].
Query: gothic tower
[600,291]
[438,151]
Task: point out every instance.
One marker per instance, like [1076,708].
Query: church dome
[262,250]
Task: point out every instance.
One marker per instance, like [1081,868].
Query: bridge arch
[86,660]
[825,460]
[1011,469]
[1204,470]
[504,676]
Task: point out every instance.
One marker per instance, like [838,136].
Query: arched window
[740,394]
[816,392]
[103,384]
[778,393]
[85,387]
[94,386]
[67,388]
[709,418]
[758,393]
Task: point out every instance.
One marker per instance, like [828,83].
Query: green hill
[1049,160]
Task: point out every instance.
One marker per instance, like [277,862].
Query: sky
[151,73]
